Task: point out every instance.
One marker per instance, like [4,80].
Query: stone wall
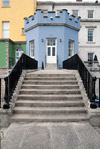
[3,73]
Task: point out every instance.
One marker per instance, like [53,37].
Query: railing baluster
[0,92]
[24,62]
[87,77]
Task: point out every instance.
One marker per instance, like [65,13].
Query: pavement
[50,136]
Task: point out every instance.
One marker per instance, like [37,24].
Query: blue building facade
[51,38]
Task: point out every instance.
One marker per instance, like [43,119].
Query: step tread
[47,77]
[50,80]
[51,108]
[60,116]
[48,90]
[62,95]
[43,102]
[46,118]
[65,85]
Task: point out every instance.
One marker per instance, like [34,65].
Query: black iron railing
[88,78]
[25,62]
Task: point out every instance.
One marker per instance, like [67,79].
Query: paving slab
[87,135]
[51,136]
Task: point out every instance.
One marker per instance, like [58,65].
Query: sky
[70,0]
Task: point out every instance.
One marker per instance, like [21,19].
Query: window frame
[74,13]
[23,31]
[91,14]
[58,13]
[5,30]
[7,4]
[32,46]
[90,59]
[70,47]
[45,13]
[89,36]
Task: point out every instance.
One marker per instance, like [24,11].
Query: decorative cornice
[89,46]
[68,3]
[90,20]
[91,26]
[20,42]
[49,24]
[14,42]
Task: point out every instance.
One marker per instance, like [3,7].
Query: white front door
[51,50]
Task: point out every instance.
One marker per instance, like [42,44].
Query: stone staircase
[50,96]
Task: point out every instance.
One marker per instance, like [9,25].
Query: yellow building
[12,13]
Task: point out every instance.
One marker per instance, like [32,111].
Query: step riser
[49,112]
[36,78]
[51,98]
[50,104]
[50,87]
[48,92]
[49,83]
[50,75]
[48,120]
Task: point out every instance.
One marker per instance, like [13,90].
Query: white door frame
[51,59]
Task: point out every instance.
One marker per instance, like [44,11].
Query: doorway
[51,50]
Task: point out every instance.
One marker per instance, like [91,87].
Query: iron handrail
[89,79]
[24,63]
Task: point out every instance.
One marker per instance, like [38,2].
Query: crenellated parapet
[51,19]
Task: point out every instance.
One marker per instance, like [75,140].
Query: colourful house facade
[12,34]
[10,52]
[12,13]
[50,38]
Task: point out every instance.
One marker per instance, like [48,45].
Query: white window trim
[5,1]
[4,30]
[58,13]
[91,42]
[77,11]
[73,47]
[93,13]
[88,57]
[33,48]
[45,14]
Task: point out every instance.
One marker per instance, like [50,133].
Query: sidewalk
[51,136]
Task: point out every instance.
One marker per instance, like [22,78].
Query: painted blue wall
[68,29]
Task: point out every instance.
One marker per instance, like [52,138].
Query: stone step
[51,67]
[26,118]
[28,86]
[49,75]
[35,103]
[50,78]
[53,82]
[50,110]
[48,92]
[50,97]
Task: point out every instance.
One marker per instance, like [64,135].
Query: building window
[71,48]
[32,48]
[58,13]
[90,57]
[6,3]
[45,13]
[5,29]
[90,13]
[23,31]
[75,13]
[90,35]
